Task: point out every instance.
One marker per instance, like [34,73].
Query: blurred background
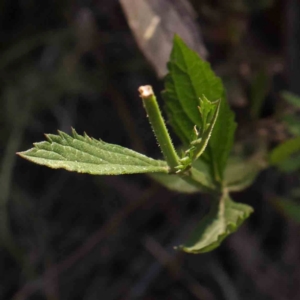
[72,63]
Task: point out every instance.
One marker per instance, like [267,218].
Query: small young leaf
[207,124]
[190,78]
[224,218]
[88,155]
[209,112]
[206,110]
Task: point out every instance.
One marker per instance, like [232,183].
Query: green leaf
[224,218]
[190,78]
[175,183]
[291,164]
[88,155]
[198,180]
[240,173]
[284,151]
[201,173]
[209,112]
[207,127]
[222,139]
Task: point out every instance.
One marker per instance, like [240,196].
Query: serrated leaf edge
[230,228]
[62,139]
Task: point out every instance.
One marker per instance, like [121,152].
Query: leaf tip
[177,38]
[48,137]
[86,136]
[23,154]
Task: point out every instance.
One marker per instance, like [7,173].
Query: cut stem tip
[145,91]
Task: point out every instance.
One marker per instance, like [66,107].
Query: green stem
[159,127]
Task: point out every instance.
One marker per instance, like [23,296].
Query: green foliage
[199,179]
[87,155]
[197,108]
[240,173]
[282,155]
[176,183]
[223,219]
[209,113]
[190,78]
[222,140]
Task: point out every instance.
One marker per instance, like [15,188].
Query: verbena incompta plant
[198,111]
